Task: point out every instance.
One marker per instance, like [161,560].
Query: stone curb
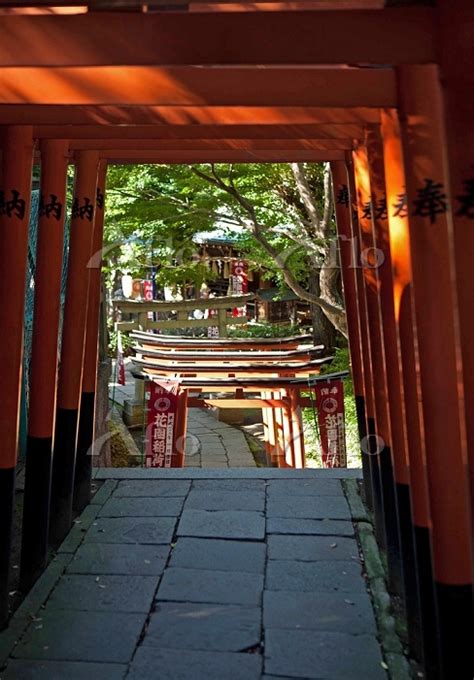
[396,663]
[43,587]
[249,473]
[31,605]
[104,492]
[358,510]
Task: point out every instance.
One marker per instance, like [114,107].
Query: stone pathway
[214,444]
[203,575]
[210,442]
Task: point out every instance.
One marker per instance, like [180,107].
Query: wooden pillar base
[7,498]
[371,444]
[409,567]
[428,612]
[455,604]
[63,474]
[85,439]
[362,429]
[34,547]
[394,555]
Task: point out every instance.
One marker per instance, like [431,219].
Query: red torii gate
[403,140]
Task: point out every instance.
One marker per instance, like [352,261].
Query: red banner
[332,430]
[148,290]
[120,361]
[212,331]
[162,408]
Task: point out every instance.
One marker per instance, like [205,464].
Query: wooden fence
[140,309]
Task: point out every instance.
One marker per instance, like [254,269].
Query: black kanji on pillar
[400,208]
[430,201]
[15,207]
[366,211]
[53,208]
[466,200]
[380,208]
[84,211]
[99,201]
[342,197]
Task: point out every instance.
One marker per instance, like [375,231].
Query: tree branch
[307,197]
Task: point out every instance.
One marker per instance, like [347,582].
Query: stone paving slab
[308,507]
[332,656]
[63,670]
[205,553]
[229,485]
[114,558]
[206,627]
[145,530]
[311,548]
[338,612]
[310,487]
[323,527]
[210,586]
[214,455]
[150,662]
[231,500]
[278,677]
[161,506]
[314,576]
[209,464]
[222,524]
[82,636]
[152,488]
[108,593]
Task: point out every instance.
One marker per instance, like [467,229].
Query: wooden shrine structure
[139,311]
[380,89]
[270,379]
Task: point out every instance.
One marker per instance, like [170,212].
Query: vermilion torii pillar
[440,371]
[399,238]
[395,394]
[15,194]
[349,282]
[297,429]
[370,443]
[73,341]
[83,474]
[456,65]
[370,261]
[44,359]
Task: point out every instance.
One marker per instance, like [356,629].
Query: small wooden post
[222,322]
[181,427]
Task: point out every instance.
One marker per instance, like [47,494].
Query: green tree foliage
[280,214]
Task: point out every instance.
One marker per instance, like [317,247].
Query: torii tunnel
[382,90]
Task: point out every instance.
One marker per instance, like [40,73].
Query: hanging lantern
[127,285]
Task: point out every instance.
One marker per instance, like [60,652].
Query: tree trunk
[324,332]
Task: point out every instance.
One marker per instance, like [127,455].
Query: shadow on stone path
[244,576]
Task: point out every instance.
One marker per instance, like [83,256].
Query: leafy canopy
[155,211]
